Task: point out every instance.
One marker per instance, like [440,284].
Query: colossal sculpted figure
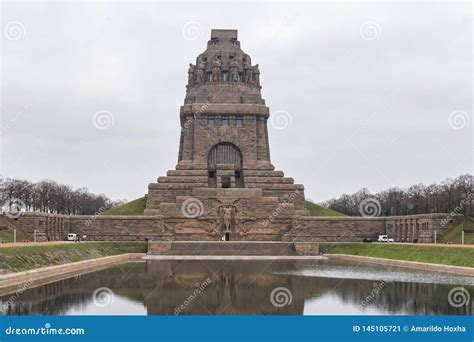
[234,71]
[256,76]
[227,217]
[191,75]
[248,73]
[216,70]
[200,71]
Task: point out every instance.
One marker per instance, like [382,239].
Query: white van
[72,237]
[382,238]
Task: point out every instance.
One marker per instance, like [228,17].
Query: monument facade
[224,184]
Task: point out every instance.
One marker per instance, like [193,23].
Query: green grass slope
[453,235]
[446,255]
[317,210]
[6,232]
[16,259]
[135,207]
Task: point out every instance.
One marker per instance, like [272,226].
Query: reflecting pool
[278,287]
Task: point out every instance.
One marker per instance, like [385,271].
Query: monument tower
[224,185]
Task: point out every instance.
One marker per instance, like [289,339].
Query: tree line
[451,195]
[50,197]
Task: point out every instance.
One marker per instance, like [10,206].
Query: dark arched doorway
[225,161]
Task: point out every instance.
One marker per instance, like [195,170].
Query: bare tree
[451,195]
[51,197]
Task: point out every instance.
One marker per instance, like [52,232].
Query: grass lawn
[317,210]
[16,259]
[6,232]
[453,234]
[456,256]
[135,207]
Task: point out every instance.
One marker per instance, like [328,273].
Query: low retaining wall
[410,228]
[459,270]
[232,248]
[40,276]
[55,227]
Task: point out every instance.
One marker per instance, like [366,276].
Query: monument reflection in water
[317,287]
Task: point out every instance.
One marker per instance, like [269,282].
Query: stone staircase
[221,248]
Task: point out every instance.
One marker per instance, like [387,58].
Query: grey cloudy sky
[380,94]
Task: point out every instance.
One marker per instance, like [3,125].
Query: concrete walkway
[25,244]
[423,266]
[233,257]
[44,275]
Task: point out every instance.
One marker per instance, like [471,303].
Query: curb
[459,270]
[44,275]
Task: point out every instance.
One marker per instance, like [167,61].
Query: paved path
[436,245]
[233,257]
[23,244]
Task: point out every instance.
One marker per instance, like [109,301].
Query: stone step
[272,186]
[268,180]
[182,179]
[231,192]
[203,172]
[221,248]
[303,212]
[176,186]
[184,173]
[262,173]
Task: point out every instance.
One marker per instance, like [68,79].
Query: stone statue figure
[248,73]
[227,217]
[191,75]
[256,76]
[216,70]
[200,72]
[234,71]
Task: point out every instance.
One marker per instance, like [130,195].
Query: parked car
[382,238]
[367,240]
[72,237]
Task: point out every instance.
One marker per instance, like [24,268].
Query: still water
[317,287]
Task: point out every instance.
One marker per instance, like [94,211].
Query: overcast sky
[379,95]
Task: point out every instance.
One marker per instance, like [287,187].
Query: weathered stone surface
[224,185]
[224,156]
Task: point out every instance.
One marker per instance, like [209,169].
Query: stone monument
[224,184]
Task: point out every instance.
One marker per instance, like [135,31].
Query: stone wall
[283,227]
[352,229]
[419,228]
[54,227]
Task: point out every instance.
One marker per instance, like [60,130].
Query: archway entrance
[227,158]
